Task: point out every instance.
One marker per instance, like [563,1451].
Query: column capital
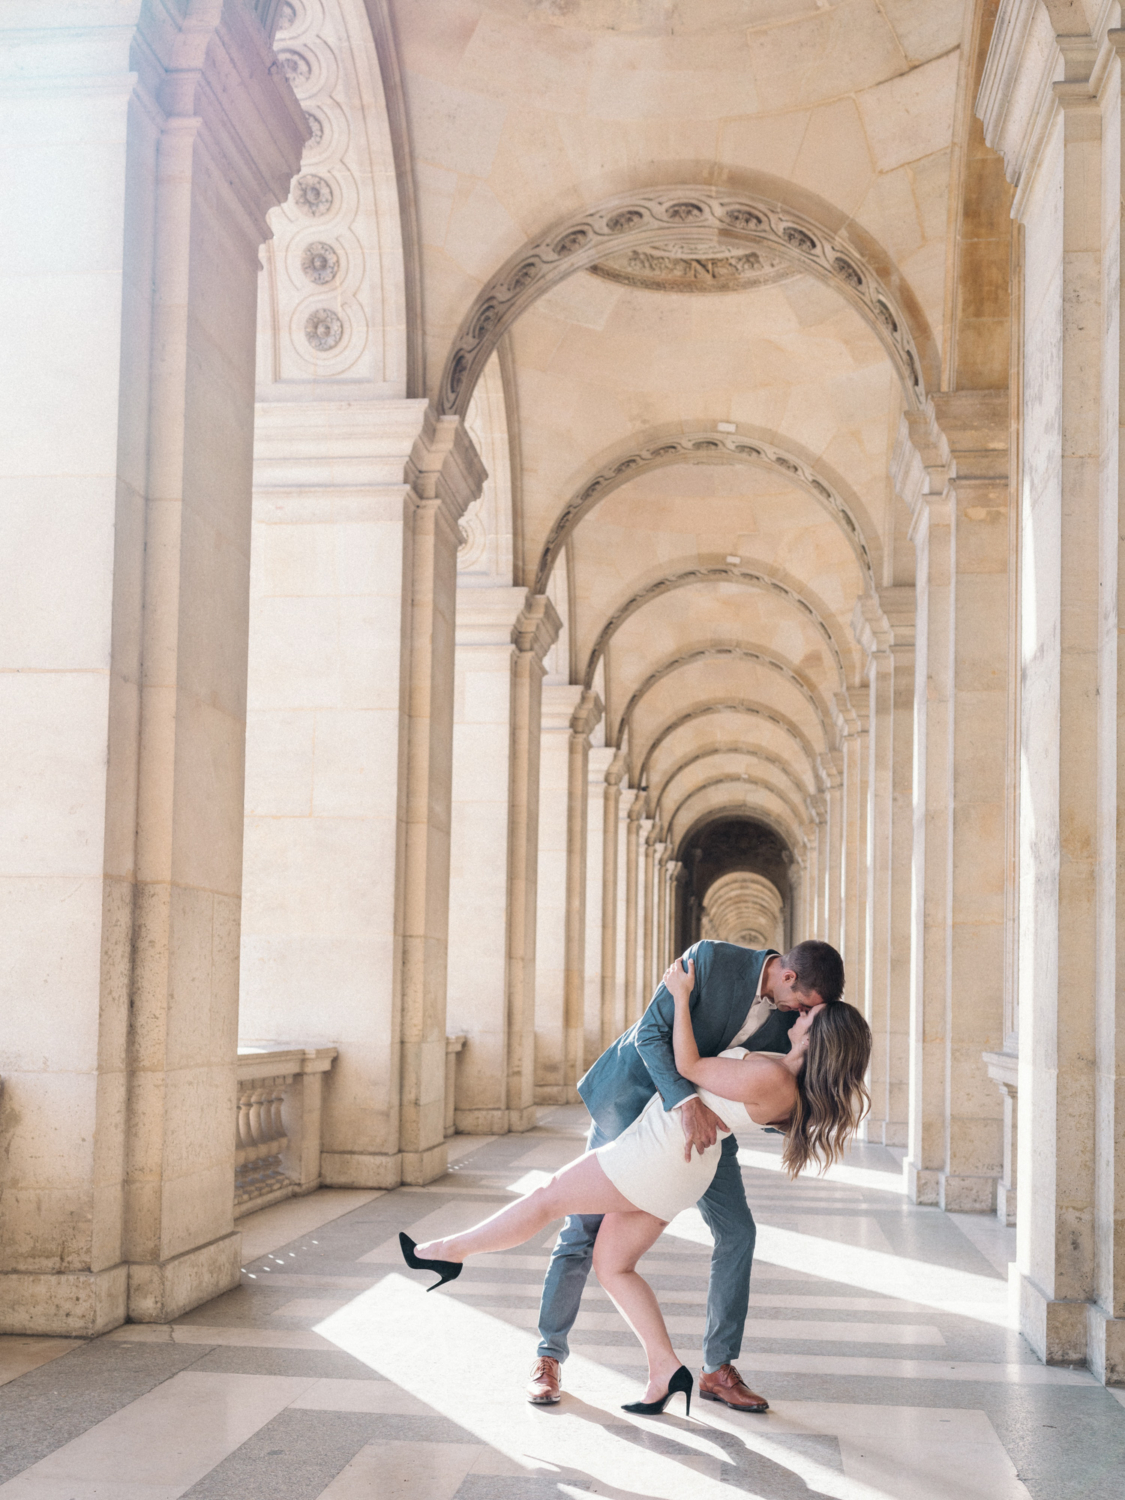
[885,620]
[444,465]
[537,626]
[587,713]
[849,721]
[830,767]
[616,770]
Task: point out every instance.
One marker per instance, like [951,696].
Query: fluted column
[884,627]
[583,721]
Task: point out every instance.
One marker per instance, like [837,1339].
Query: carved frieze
[706,265]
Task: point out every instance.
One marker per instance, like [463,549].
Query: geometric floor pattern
[878,1331]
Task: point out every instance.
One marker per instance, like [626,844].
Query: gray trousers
[726,1214]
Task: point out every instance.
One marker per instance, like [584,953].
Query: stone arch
[788,835]
[714,573]
[728,706]
[749,751]
[741,905]
[699,446]
[720,653]
[648,217]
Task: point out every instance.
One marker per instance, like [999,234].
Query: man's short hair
[818,968]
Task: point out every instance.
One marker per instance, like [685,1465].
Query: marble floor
[879,1332]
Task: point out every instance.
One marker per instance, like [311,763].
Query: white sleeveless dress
[646,1161]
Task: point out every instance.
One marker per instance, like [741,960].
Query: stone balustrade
[277,1135]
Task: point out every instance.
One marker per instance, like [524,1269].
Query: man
[743,997]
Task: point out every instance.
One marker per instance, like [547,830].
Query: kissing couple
[733,1036]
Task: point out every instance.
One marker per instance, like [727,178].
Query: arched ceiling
[710,244]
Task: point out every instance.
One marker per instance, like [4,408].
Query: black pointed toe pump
[680,1381]
[448,1270]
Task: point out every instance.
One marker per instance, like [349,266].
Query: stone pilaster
[626,800]
[598,829]
[608,976]
[832,775]
[583,721]
[559,702]
[634,868]
[445,474]
[491,983]
[648,936]
[884,627]
[128,475]
[851,728]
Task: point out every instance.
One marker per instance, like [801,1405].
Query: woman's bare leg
[622,1239]
[580,1188]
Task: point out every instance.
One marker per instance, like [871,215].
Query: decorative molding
[537,626]
[320,263]
[725,573]
[323,329]
[634,220]
[708,265]
[697,447]
[587,714]
[720,653]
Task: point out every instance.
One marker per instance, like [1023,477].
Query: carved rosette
[705,447]
[649,220]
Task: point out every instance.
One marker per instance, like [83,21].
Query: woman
[814,1093]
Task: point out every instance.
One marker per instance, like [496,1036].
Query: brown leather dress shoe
[545,1386]
[727,1385]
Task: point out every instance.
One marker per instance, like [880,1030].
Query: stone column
[620,1008]
[445,474]
[954,477]
[583,721]
[483,784]
[831,769]
[559,702]
[491,986]
[648,935]
[535,632]
[884,627]
[610,972]
[814,870]
[145,158]
[633,874]
[659,962]
[598,832]
[852,729]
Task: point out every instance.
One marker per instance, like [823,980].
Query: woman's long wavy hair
[832,1097]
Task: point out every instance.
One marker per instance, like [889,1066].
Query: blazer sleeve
[654,1035]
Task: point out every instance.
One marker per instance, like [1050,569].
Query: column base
[1006,1205]
[69,1304]
[923,1184]
[966,1195]
[886,1132]
[163,1290]
[360,1169]
[1055,1330]
[420,1167]
[520,1120]
[1105,1345]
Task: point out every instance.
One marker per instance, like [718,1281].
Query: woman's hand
[678,984]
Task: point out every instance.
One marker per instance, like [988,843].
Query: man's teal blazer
[641,1061]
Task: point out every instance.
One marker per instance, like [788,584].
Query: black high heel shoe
[448,1270]
[680,1381]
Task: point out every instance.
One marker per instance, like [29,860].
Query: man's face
[786,995]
